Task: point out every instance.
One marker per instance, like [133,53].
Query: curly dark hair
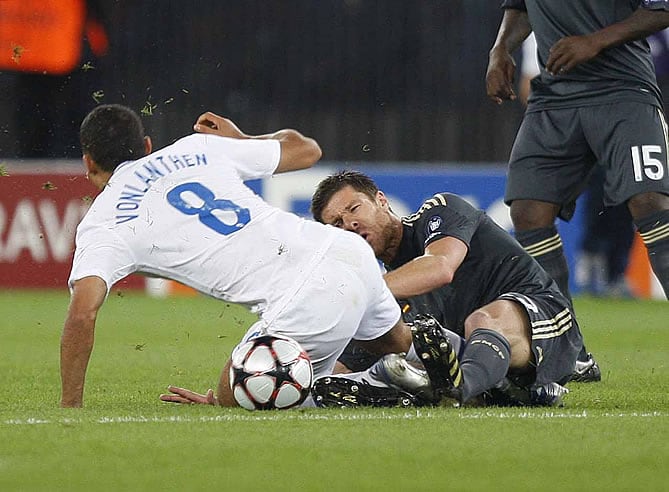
[112,134]
[335,182]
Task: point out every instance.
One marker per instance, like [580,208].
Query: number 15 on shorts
[645,164]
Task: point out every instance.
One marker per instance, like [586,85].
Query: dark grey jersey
[495,263]
[622,73]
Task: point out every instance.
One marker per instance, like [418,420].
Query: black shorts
[555,339]
[555,152]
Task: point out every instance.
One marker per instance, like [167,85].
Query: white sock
[373,376]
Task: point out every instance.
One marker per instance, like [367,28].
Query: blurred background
[372,80]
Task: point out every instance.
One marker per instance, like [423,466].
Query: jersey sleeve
[655,4]
[100,253]
[514,4]
[446,215]
[252,158]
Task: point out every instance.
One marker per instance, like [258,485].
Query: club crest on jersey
[433,224]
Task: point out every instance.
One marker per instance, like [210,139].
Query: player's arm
[297,151]
[76,343]
[225,397]
[571,51]
[434,269]
[513,30]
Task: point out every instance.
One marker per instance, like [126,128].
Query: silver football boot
[397,372]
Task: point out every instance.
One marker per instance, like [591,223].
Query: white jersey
[184,213]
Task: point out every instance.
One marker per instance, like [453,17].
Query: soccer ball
[270,372]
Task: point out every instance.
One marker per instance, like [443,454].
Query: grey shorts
[556,150]
[555,336]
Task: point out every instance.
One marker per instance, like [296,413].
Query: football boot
[438,356]
[587,371]
[339,391]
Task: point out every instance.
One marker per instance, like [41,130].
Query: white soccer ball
[270,372]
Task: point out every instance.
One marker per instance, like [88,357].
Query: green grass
[610,436]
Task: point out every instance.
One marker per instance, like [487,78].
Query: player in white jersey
[184,213]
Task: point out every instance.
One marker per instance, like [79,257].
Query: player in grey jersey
[501,311]
[594,103]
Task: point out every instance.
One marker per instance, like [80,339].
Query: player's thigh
[345,297]
[550,159]
[629,140]
[323,316]
[380,309]
[555,338]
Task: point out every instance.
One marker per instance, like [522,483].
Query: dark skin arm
[515,27]
[567,53]
[571,51]
[76,343]
[223,397]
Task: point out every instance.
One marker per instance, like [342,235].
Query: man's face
[355,211]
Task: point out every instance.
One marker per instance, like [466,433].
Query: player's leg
[379,329]
[534,226]
[397,378]
[619,237]
[549,167]
[497,341]
[390,381]
[654,230]
[491,332]
[635,152]
[591,269]
[501,342]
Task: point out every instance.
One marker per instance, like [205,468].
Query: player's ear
[148,145]
[381,199]
[91,167]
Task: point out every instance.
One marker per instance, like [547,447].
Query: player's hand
[571,51]
[183,395]
[214,124]
[499,76]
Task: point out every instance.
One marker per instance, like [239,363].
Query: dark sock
[545,246]
[485,361]
[654,230]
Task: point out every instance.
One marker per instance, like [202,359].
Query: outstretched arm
[297,151]
[434,269]
[76,343]
[515,27]
[571,51]
[225,397]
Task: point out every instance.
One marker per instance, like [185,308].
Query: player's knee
[480,319]
[505,317]
[645,204]
[532,214]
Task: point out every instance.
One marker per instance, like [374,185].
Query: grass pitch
[609,436]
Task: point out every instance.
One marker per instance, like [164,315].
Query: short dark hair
[335,182]
[112,134]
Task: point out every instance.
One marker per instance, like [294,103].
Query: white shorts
[344,298]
